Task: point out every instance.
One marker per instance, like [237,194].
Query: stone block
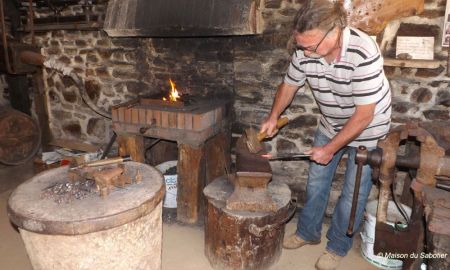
[96,127]
[303,121]
[286,146]
[421,95]
[81,43]
[430,73]
[443,98]
[436,114]
[125,74]
[53,51]
[92,89]
[102,72]
[401,107]
[78,59]
[72,128]
[91,58]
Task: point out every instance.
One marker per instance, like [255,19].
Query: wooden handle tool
[254,139]
[280,123]
[102,162]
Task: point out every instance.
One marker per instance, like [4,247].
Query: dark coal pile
[171,171]
[69,191]
[169,215]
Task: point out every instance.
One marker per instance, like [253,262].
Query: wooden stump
[230,243]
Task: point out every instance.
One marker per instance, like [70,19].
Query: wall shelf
[412,63]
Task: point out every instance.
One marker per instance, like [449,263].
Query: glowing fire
[173,95]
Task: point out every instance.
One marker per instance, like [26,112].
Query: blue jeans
[318,189]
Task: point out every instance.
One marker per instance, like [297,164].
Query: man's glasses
[309,49]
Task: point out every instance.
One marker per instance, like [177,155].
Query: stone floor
[182,245]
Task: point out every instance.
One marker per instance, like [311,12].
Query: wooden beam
[412,63]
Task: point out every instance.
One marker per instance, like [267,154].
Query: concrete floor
[182,245]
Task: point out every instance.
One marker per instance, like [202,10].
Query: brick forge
[201,129]
[192,124]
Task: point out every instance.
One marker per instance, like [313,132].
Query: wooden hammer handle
[281,122]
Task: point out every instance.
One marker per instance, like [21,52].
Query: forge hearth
[192,121]
[199,125]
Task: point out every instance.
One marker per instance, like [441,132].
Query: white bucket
[170,198]
[368,234]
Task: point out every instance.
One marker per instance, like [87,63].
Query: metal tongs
[288,156]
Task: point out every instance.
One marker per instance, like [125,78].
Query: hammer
[254,139]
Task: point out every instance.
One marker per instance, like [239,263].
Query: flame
[173,95]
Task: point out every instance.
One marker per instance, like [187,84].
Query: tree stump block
[243,239]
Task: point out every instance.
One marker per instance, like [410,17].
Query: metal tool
[254,139]
[422,155]
[102,162]
[290,156]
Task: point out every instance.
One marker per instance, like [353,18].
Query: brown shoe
[328,261]
[294,241]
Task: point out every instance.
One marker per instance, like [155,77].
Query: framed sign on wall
[446,26]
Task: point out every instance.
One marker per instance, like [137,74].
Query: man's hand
[320,154]
[269,126]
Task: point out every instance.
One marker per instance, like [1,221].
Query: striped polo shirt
[356,78]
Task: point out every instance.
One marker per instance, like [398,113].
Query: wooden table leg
[218,156]
[132,145]
[191,180]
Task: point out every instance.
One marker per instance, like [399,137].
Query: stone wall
[250,67]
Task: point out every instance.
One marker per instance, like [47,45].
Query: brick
[203,121]
[149,117]
[172,120]
[115,114]
[121,111]
[188,121]
[142,116]
[180,120]
[157,117]
[127,117]
[164,119]
[135,116]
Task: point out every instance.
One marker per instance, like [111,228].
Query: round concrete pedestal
[121,231]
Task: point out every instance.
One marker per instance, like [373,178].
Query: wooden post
[191,180]
[218,156]
[132,145]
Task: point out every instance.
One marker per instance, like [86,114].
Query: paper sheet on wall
[415,48]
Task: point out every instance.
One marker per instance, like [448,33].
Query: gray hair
[320,14]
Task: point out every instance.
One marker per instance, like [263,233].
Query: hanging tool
[253,139]
[103,162]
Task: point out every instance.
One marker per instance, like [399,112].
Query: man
[344,69]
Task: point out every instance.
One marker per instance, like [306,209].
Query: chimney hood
[182,18]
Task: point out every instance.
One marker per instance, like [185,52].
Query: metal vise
[423,156]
